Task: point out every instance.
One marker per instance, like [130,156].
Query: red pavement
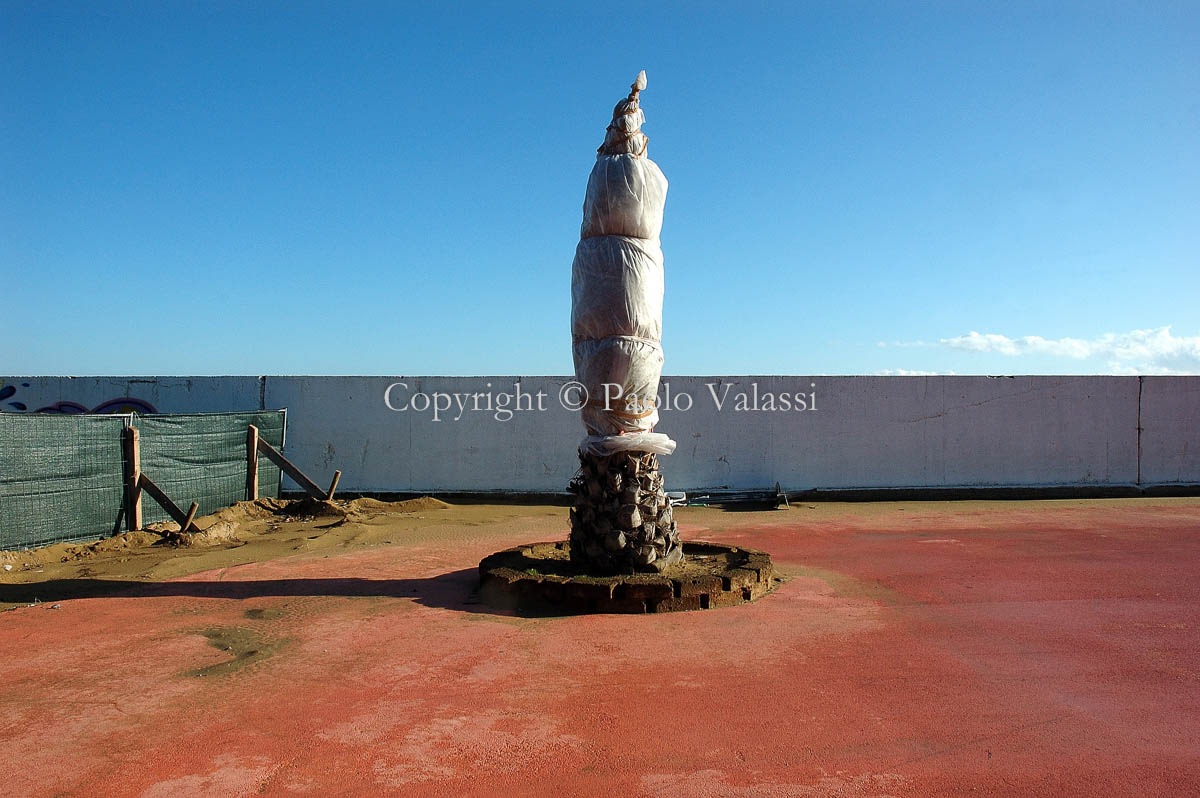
[1023,649]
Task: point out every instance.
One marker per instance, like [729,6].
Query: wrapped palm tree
[621,519]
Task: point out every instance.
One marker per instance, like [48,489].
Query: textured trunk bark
[621,518]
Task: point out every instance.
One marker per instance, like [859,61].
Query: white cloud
[1154,351]
[885,344]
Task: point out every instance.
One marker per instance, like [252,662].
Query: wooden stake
[133,472]
[337,475]
[251,463]
[191,515]
[288,468]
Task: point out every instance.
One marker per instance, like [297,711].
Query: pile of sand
[367,506]
[70,552]
[309,508]
[220,533]
[257,510]
[226,527]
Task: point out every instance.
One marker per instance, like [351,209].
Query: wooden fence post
[252,463]
[133,473]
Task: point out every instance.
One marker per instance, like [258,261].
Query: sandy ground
[923,648]
[248,532]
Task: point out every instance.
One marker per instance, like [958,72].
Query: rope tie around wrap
[603,148]
[576,339]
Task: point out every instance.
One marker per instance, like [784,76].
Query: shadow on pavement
[455,590]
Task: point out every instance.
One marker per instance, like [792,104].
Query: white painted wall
[866,432]
[1170,430]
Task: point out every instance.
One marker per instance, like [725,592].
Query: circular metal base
[540,578]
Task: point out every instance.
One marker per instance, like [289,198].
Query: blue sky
[392,188]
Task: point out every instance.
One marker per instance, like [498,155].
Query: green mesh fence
[61,478]
[202,458]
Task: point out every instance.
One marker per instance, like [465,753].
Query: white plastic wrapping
[625,197]
[621,376]
[617,287]
[603,445]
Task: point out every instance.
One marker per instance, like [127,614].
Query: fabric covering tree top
[617,289]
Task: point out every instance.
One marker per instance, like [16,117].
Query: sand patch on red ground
[248,531]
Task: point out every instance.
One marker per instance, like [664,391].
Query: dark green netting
[61,478]
[202,458]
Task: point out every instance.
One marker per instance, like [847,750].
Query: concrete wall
[1170,421]
[854,432]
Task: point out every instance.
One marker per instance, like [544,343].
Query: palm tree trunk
[621,518]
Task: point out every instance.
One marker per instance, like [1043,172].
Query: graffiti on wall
[122,404]
[7,392]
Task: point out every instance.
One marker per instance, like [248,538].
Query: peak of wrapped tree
[624,135]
